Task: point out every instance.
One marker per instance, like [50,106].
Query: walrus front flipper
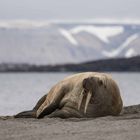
[40,102]
[26,114]
[52,101]
[49,109]
[31,113]
[65,113]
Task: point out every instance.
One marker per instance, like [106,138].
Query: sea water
[21,91]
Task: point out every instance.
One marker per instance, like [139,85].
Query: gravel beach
[123,127]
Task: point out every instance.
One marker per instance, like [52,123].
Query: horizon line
[27,23]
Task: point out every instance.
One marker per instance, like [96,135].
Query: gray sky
[69,9]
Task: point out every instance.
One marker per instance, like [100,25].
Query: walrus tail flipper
[26,114]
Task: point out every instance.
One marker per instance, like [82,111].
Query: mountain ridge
[64,43]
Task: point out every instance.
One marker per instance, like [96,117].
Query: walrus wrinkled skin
[86,94]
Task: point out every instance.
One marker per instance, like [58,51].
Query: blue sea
[21,91]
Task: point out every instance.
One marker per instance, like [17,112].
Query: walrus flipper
[66,113]
[49,109]
[31,113]
[26,114]
[40,102]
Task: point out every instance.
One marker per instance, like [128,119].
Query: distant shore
[123,127]
[116,64]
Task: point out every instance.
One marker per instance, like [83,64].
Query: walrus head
[90,86]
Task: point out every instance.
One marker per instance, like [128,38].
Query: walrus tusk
[80,99]
[87,101]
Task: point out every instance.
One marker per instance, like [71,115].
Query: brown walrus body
[86,94]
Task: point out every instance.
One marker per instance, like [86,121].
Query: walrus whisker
[80,99]
[87,101]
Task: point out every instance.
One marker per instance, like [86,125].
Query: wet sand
[123,127]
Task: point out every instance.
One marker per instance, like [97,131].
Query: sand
[123,127]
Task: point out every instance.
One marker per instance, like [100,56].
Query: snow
[26,23]
[61,43]
[103,33]
[68,36]
[131,52]
[23,24]
[122,21]
[117,51]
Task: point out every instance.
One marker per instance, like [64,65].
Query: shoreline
[125,126]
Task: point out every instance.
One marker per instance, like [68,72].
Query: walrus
[88,94]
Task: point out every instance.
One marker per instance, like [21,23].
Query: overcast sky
[69,9]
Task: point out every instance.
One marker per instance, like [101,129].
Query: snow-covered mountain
[59,43]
